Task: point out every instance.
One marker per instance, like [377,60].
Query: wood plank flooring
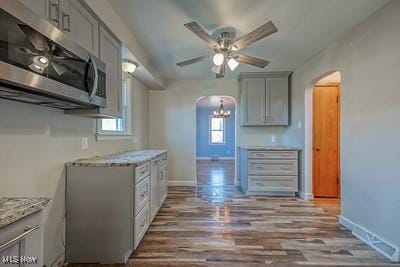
[221,172]
[219,226]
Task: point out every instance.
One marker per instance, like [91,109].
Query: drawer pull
[259,168]
[18,238]
[285,168]
[285,155]
[143,194]
[144,222]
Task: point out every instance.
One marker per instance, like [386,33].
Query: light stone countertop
[128,158]
[13,209]
[271,148]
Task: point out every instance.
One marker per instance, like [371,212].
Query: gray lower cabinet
[269,171]
[109,209]
[264,98]
[22,240]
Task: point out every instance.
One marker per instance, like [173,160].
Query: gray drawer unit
[269,171]
[108,208]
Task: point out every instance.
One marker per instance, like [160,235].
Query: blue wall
[203,148]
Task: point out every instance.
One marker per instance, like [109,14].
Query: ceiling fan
[226,49]
[43,54]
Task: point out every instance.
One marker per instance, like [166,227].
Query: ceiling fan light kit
[218,59]
[226,49]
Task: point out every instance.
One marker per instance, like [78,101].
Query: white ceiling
[214,101]
[305,28]
[332,78]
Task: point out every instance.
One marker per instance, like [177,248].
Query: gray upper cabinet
[71,17]
[42,7]
[277,90]
[264,98]
[253,101]
[111,54]
[80,25]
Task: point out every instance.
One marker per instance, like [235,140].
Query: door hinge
[338,99]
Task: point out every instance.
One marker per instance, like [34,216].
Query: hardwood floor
[221,172]
[219,226]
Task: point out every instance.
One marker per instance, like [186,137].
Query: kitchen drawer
[272,154]
[142,194]
[273,183]
[272,167]
[142,171]
[142,222]
[163,159]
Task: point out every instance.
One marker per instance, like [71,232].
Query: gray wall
[35,142]
[368,59]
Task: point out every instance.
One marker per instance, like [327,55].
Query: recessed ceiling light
[129,66]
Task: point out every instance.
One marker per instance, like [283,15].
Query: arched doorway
[215,142]
[322,149]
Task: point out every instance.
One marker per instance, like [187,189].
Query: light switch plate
[299,124]
[84,143]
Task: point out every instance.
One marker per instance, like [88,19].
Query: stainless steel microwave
[39,64]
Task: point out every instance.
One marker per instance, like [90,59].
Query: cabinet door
[253,102]
[162,184]
[110,53]
[277,101]
[154,189]
[80,25]
[42,8]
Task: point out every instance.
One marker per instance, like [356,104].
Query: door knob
[318,148]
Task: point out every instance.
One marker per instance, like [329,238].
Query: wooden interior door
[326,115]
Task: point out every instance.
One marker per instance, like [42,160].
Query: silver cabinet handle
[54,6]
[66,26]
[18,238]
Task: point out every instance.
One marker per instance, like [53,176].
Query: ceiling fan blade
[200,32]
[58,68]
[38,41]
[16,48]
[258,62]
[259,33]
[192,61]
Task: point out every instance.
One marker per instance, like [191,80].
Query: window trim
[126,110]
[210,117]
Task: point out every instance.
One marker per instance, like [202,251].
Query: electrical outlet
[84,143]
[273,139]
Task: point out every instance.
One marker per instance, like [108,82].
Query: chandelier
[221,113]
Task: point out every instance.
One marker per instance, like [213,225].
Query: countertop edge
[156,153]
[25,212]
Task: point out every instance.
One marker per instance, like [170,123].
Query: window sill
[105,137]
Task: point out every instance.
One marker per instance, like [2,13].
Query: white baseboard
[374,241]
[305,196]
[181,183]
[220,158]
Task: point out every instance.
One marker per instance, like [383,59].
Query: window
[116,127]
[217,130]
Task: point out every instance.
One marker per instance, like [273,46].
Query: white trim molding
[220,158]
[371,239]
[305,196]
[181,183]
